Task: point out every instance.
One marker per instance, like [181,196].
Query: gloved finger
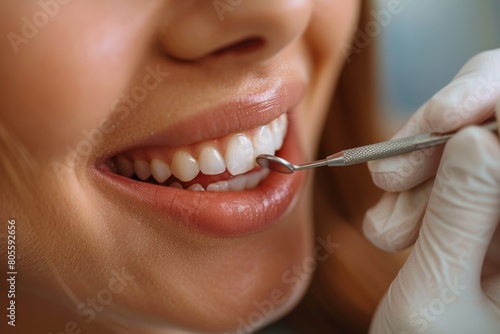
[498,115]
[444,267]
[491,283]
[468,99]
[464,207]
[393,223]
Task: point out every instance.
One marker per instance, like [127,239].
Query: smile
[222,164]
[201,173]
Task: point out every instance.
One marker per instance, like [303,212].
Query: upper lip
[241,114]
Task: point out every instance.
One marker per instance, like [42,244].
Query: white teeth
[238,159]
[263,141]
[218,186]
[211,162]
[278,127]
[213,187]
[253,180]
[176,185]
[239,155]
[238,183]
[184,166]
[196,187]
[160,170]
[125,167]
[142,169]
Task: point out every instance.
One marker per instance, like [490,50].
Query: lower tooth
[196,187]
[213,187]
[218,186]
[264,173]
[176,185]
[224,185]
[238,183]
[253,180]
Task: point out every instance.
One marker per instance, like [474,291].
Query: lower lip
[221,214]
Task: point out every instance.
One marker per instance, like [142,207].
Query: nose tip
[256,29]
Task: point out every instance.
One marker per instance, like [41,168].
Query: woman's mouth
[222,164]
[214,185]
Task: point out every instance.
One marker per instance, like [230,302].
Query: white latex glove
[439,288]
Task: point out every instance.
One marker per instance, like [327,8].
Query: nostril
[246,46]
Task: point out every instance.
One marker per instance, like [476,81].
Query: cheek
[333,25]
[64,78]
[327,41]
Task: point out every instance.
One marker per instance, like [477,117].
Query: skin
[75,237]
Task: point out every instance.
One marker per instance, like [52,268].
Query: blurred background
[425,45]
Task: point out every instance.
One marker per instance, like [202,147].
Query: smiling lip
[223,214]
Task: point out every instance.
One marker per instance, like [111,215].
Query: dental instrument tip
[281,165]
[275,163]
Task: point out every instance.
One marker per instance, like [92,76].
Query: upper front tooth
[263,141]
[211,162]
[160,170]
[279,127]
[184,166]
[239,154]
[142,169]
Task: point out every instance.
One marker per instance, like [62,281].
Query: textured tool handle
[381,150]
[395,147]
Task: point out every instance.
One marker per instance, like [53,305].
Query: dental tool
[365,153]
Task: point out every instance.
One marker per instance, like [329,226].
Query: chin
[214,285]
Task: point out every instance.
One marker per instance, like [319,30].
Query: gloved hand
[469,99]
[439,287]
